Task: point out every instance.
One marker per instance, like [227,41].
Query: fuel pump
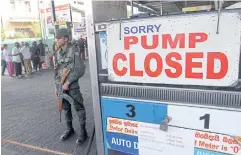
[168,84]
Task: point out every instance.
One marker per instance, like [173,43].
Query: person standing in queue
[22,44]
[35,54]
[21,56]
[68,58]
[25,50]
[3,61]
[8,59]
[17,60]
[42,52]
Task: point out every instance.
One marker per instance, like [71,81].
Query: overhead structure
[173,7]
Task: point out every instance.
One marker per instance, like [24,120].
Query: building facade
[17,16]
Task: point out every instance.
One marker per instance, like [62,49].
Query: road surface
[30,117]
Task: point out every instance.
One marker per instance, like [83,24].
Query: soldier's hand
[65,86]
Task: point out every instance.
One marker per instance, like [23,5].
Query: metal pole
[216,5]
[71,22]
[94,76]
[132,7]
[219,13]
[40,21]
[45,22]
[56,27]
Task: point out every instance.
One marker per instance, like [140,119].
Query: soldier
[68,58]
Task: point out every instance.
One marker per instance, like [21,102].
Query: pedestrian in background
[22,44]
[35,55]
[3,61]
[75,44]
[17,60]
[25,50]
[8,60]
[21,56]
[42,52]
[81,47]
[86,46]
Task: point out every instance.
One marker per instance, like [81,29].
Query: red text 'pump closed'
[170,63]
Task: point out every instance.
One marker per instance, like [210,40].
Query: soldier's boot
[69,132]
[83,135]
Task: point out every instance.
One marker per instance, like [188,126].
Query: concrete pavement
[30,117]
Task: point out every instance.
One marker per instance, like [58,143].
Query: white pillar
[97,11]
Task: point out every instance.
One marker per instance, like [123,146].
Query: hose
[90,141]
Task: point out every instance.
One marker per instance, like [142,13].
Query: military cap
[63,32]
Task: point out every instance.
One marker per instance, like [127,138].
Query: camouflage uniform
[71,60]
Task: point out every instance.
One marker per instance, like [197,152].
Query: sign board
[77,17]
[60,23]
[100,27]
[178,50]
[197,8]
[62,14]
[79,27]
[132,127]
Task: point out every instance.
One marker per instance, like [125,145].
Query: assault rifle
[61,94]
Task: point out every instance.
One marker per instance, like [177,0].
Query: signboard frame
[94,78]
[126,55]
[101,27]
